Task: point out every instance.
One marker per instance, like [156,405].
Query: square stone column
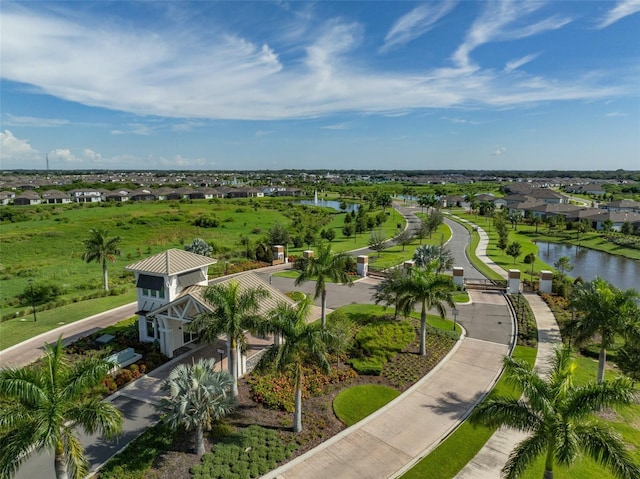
[363,265]
[458,276]
[278,254]
[546,280]
[308,253]
[513,285]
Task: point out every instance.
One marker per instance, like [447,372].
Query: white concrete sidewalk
[493,456]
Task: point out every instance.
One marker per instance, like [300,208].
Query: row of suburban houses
[141,194]
[542,203]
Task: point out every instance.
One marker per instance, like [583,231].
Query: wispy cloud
[260,133]
[615,114]
[461,121]
[160,74]
[338,126]
[500,151]
[416,23]
[135,129]
[503,21]
[518,62]
[32,121]
[622,9]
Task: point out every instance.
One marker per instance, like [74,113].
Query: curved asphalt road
[487,318]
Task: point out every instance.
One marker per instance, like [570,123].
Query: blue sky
[337,85]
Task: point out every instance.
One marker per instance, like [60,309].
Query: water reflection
[619,271]
[330,204]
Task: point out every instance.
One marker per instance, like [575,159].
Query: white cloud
[180,162]
[503,21]
[64,155]
[337,126]
[416,23]
[14,152]
[260,133]
[622,9]
[500,151]
[518,62]
[32,121]
[175,72]
[615,114]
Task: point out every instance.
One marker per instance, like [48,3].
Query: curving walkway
[393,439]
[494,454]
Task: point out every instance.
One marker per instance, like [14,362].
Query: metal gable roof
[171,262]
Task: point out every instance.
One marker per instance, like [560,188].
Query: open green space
[356,403]
[16,330]
[47,246]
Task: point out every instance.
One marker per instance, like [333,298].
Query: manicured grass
[461,298]
[464,443]
[17,330]
[364,313]
[356,403]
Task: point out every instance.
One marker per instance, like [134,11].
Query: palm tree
[423,286]
[424,255]
[604,312]
[100,248]
[301,344]
[391,289]
[323,268]
[44,406]
[234,311]
[558,416]
[198,396]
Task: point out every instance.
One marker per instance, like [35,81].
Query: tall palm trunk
[105,275]
[323,314]
[233,368]
[423,329]
[198,437]
[297,420]
[602,360]
[60,463]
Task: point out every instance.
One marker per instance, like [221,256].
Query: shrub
[367,366]
[123,377]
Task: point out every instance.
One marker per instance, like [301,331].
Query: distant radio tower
[47,155]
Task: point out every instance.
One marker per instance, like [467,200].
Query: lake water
[330,204]
[619,271]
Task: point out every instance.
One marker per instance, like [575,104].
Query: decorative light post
[454,311]
[33,304]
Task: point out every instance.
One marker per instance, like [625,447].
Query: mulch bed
[318,420]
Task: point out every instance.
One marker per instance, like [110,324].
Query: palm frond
[607,449]
[524,454]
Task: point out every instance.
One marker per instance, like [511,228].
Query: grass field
[48,247]
[17,330]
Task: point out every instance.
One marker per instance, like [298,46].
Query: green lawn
[356,403]
[17,330]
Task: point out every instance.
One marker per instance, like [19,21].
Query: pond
[619,271]
[330,204]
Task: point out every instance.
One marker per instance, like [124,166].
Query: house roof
[171,262]
[246,280]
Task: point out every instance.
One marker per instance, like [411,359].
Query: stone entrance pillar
[363,265]
[278,255]
[546,280]
[458,276]
[308,253]
[513,285]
